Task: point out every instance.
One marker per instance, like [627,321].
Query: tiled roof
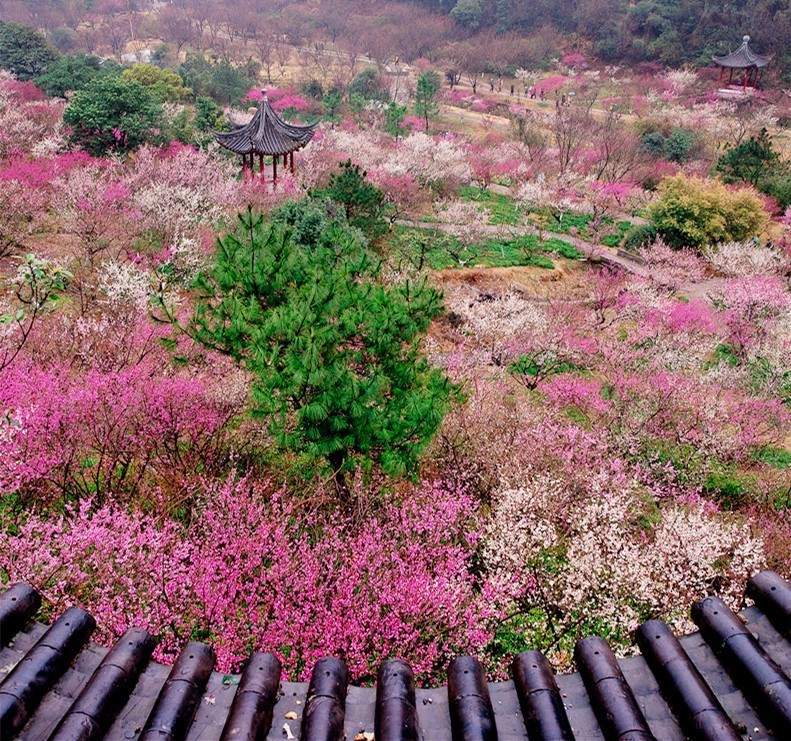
[266,133]
[743,57]
[727,681]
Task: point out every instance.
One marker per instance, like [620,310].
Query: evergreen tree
[112,114]
[394,119]
[334,353]
[426,96]
[332,101]
[24,51]
[74,72]
[363,203]
[750,162]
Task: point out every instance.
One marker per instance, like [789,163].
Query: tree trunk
[336,459]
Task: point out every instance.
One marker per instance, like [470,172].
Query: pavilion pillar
[244,168]
[746,77]
[261,167]
[274,168]
[730,77]
[721,70]
[292,163]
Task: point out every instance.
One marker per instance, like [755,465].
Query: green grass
[776,457]
[502,208]
[577,224]
[433,250]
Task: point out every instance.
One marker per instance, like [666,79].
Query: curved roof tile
[743,57]
[266,133]
[727,682]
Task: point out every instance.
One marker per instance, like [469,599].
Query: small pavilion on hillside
[743,60]
[266,135]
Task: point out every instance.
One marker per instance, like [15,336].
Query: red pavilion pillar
[292,163]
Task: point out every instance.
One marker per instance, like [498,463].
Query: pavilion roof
[266,133]
[743,57]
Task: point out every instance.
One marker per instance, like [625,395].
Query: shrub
[638,236]
[654,143]
[693,212]
[241,572]
[679,144]
[112,114]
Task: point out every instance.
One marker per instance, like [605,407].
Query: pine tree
[425,96]
[363,202]
[335,353]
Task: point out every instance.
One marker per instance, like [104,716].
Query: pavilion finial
[263,94]
[745,40]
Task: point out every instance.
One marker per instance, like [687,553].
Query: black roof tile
[266,133]
[728,681]
[743,57]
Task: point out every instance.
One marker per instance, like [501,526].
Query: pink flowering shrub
[93,203]
[752,305]
[552,83]
[574,59]
[673,268]
[255,570]
[102,431]
[28,123]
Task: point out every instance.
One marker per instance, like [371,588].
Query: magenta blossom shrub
[280,99]
[254,571]
[88,434]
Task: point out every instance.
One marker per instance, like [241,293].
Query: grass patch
[502,208]
[731,488]
[579,225]
[776,458]
[430,249]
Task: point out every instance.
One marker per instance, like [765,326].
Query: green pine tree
[394,119]
[334,353]
[426,96]
[750,162]
[363,202]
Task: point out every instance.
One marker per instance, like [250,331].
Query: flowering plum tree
[243,571]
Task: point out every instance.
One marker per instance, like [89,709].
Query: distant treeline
[668,31]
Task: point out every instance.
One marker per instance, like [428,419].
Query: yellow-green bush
[694,212]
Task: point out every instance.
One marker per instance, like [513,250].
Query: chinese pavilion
[266,135]
[745,61]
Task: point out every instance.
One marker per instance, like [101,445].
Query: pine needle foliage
[335,353]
